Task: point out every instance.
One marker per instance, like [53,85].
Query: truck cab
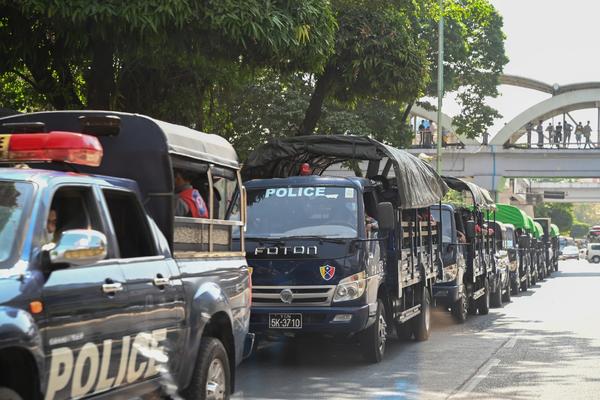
[309,246]
[104,291]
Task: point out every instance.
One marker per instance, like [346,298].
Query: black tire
[374,337]
[460,308]
[596,259]
[514,287]
[507,293]
[525,283]
[483,303]
[213,360]
[9,394]
[496,298]
[422,322]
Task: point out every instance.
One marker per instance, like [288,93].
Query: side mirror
[77,247]
[470,229]
[524,241]
[385,216]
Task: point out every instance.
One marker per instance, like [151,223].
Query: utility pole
[440,87]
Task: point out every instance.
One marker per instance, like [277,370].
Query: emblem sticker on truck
[327,272]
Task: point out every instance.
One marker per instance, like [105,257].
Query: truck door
[155,305]
[84,306]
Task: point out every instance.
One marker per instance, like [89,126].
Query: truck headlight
[350,288]
[450,273]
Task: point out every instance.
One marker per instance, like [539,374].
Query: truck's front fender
[18,330]
[208,300]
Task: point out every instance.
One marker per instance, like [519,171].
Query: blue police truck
[341,256]
[103,292]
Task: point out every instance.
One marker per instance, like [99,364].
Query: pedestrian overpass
[566,192]
[489,165]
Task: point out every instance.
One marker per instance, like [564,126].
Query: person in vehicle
[189,201]
[51,227]
[371,225]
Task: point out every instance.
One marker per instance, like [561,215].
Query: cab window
[134,237]
[72,207]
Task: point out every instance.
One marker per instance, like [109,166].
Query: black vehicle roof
[481,197]
[143,151]
[415,182]
[356,182]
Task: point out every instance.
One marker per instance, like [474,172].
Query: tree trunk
[313,112]
[101,77]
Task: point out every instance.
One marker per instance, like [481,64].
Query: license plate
[285,321]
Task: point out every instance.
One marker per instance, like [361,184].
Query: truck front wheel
[496,297]
[484,301]
[211,379]
[9,394]
[375,336]
[460,307]
[422,327]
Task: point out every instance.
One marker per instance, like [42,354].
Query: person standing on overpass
[587,132]
[578,133]
[567,137]
[550,130]
[540,132]
[558,135]
[529,128]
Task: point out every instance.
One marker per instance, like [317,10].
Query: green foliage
[92,53]
[474,60]
[561,214]
[272,105]
[579,229]
[587,213]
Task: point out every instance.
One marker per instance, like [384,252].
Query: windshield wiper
[264,239]
[320,238]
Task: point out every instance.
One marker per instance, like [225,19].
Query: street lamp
[440,87]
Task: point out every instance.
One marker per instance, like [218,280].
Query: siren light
[68,147]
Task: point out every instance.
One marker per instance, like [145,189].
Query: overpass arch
[567,101]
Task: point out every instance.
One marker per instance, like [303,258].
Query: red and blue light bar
[55,146]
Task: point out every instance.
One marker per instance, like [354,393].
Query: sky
[554,41]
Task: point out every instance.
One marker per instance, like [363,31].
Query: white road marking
[472,383]
[512,341]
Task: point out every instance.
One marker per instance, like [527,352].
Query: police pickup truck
[103,292]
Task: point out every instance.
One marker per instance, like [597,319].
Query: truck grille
[302,295]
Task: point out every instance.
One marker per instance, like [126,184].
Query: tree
[378,55]
[157,57]
[474,60]
[560,213]
[272,105]
[579,229]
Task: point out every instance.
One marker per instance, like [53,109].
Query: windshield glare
[14,198]
[324,211]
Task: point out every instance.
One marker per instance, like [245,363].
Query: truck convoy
[341,256]
[104,292]
[470,272]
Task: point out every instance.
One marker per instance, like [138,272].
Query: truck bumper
[314,320]
[248,344]
[446,293]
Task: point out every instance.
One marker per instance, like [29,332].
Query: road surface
[545,344]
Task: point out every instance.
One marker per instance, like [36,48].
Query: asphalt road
[545,344]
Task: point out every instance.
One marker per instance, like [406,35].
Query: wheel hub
[215,382]
[382,333]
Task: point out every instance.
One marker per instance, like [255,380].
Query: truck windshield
[14,199]
[323,211]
